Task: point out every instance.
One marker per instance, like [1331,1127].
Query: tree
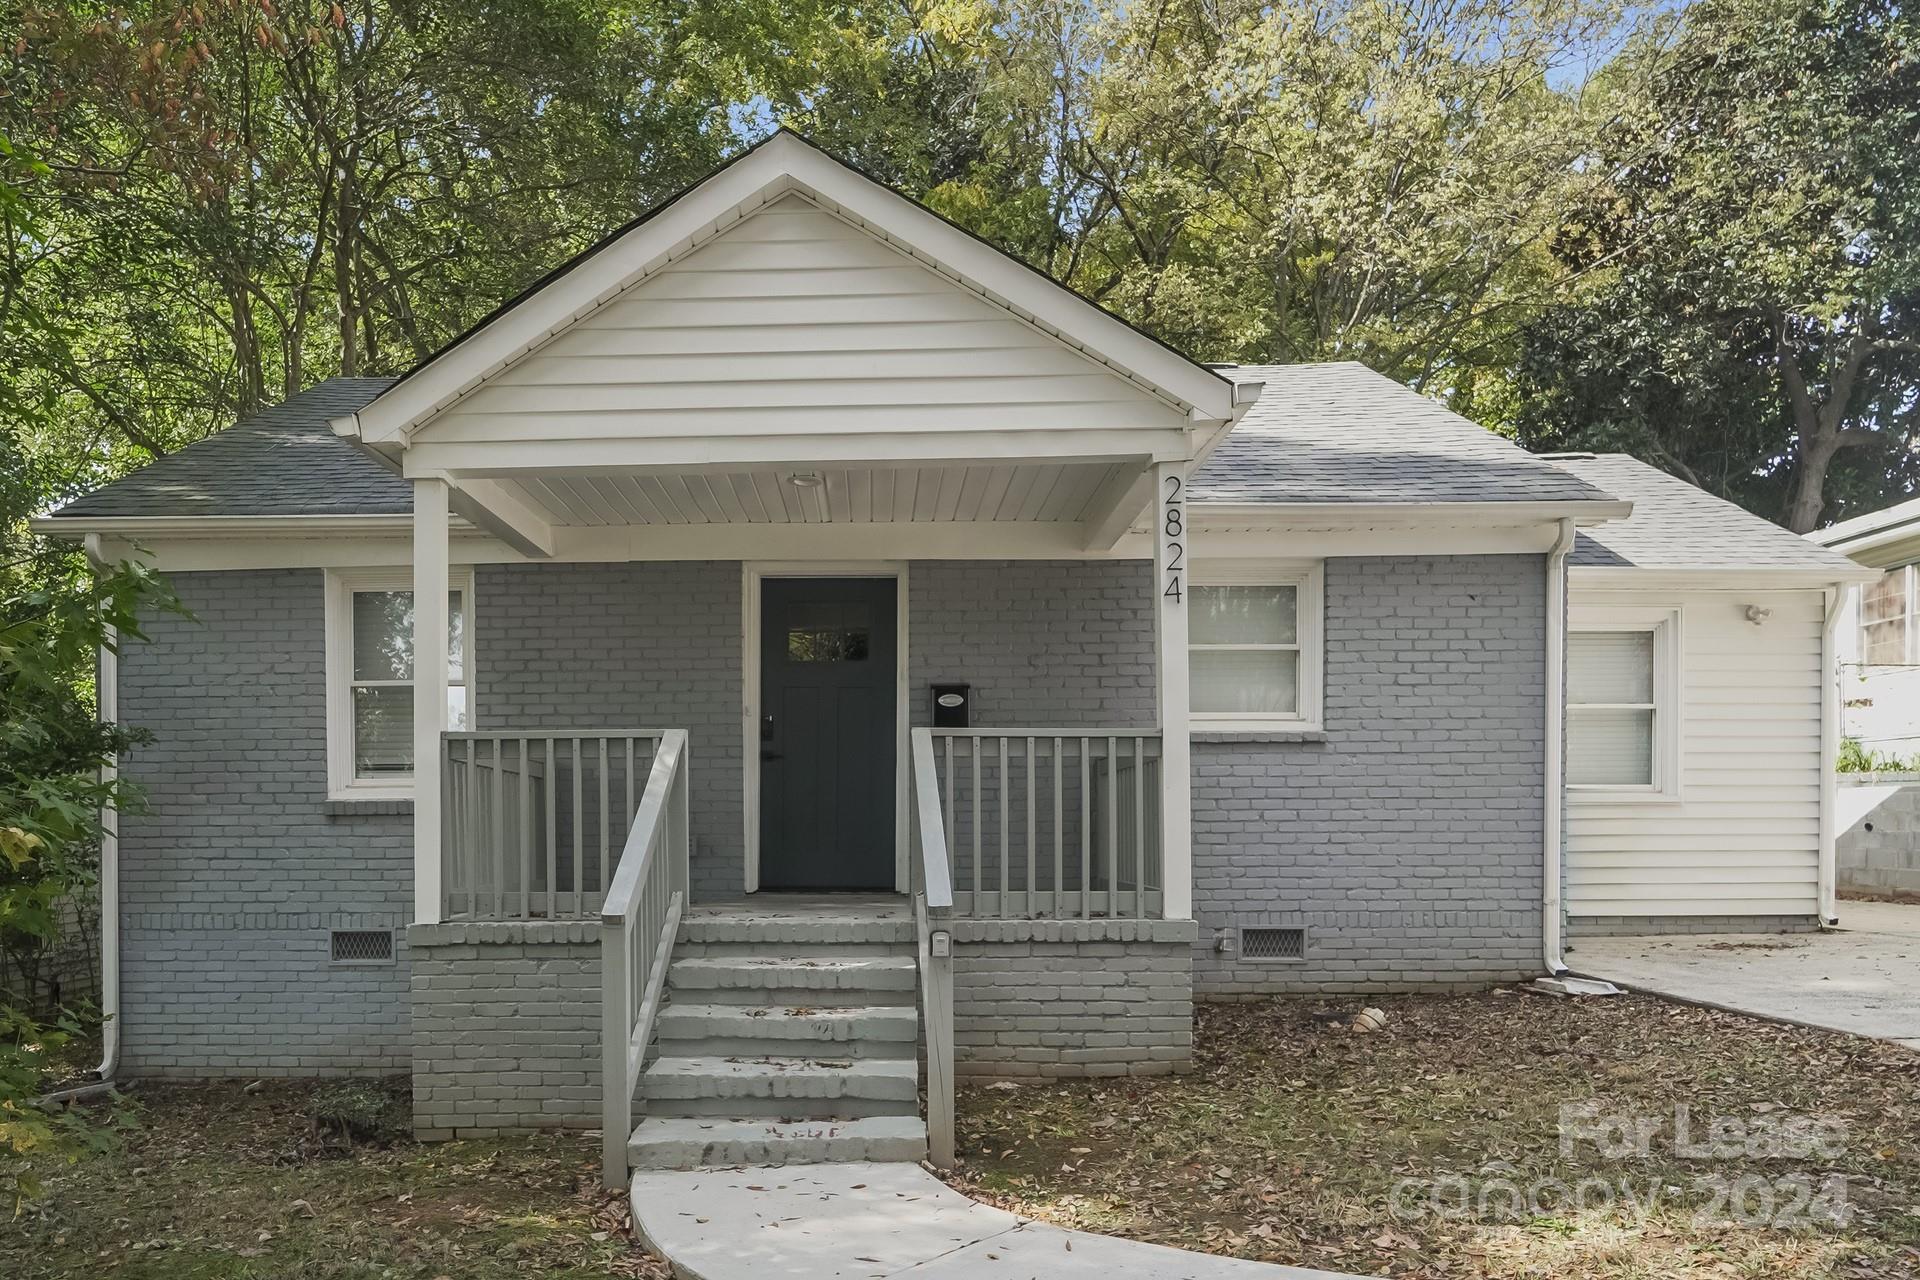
[1751,321]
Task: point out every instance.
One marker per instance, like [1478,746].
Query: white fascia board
[1744,578]
[922,448]
[1282,516]
[222,527]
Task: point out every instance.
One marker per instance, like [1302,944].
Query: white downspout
[1836,600]
[107,698]
[1555,780]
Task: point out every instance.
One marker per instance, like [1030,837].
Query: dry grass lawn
[214,1183]
[1297,1140]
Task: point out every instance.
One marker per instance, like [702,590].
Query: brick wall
[506,1021]
[1407,841]
[1072,998]
[238,868]
[1045,644]
[625,646]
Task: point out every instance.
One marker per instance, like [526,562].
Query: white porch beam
[508,457]
[493,506]
[1172,554]
[1116,506]
[429,689]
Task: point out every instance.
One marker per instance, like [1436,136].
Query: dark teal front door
[827,749]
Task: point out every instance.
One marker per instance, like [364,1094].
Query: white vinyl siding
[794,322]
[1741,835]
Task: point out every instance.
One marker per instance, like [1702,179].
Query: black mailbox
[950,703]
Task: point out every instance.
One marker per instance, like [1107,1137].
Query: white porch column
[429,689]
[1172,556]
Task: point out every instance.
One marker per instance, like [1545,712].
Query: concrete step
[669,1142]
[687,947]
[802,929]
[794,1088]
[795,980]
[736,1030]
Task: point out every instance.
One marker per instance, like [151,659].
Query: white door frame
[752,574]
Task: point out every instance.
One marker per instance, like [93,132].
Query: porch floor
[870,1220]
[805,906]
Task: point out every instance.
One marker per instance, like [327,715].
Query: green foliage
[347,1112]
[1855,757]
[1753,262]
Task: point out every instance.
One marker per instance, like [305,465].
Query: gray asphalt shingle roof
[1320,433]
[1676,525]
[1342,433]
[282,461]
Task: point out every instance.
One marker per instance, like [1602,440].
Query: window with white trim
[1253,635]
[1887,630]
[1622,691]
[370,679]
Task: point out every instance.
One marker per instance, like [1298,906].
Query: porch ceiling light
[804,480]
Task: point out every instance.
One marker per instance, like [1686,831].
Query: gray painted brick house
[795,643]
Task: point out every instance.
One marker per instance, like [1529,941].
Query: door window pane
[842,645]
[1245,681]
[1609,746]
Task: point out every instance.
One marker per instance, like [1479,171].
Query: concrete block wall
[1880,853]
[239,866]
[1062,998]
[506,1023]
[1638,926]
[1405,839]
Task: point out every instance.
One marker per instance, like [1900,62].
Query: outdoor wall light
[804,480]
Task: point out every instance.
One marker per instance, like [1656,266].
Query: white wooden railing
[932,905]
[638,924]
[533,822]
[1049,823]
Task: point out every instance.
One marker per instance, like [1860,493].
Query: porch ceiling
[1048,493]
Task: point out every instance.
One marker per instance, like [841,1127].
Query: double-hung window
[1622,691]
[1253,633]
[370,679]
[1887,631]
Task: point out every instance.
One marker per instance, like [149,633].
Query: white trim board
[752,574]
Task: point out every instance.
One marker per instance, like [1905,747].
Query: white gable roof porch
[789,347]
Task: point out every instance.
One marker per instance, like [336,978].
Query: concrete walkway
[864,1221]
[1863,978]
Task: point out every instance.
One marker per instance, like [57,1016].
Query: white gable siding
[1744,836]
[793,321]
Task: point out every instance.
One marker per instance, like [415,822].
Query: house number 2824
[1173,528]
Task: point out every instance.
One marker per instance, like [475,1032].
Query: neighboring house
[793,539]
[1879,637]
[1880,700]
[1699,713]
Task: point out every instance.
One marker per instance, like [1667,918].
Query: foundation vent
[1273,944]
[362,946]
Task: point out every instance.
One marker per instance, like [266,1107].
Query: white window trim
[340,586]
[1664,625]
[1308,578]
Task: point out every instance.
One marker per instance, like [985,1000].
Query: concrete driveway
[1863,978]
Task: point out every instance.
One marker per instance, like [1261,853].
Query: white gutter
[107,698]
[1836,599]
[1555,780]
